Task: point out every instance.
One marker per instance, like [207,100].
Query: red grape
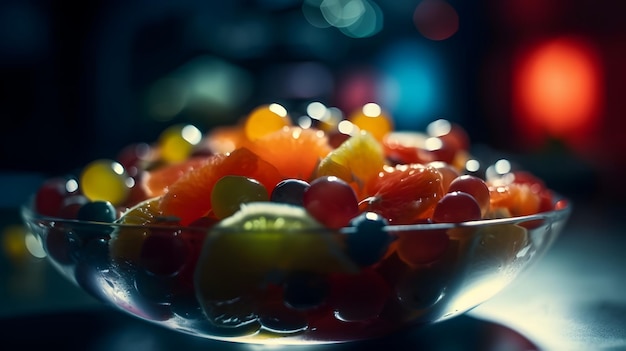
[448,173]
[438,149]
[51,194]
[451,133]
[331,201]
[135,157]
[456,207]
[71,205]
[474,186]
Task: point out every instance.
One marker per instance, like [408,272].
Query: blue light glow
[412,84]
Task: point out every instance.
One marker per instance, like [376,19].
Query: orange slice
[189,198]
[155,182]
[294,151]
[514,199]
[224,139]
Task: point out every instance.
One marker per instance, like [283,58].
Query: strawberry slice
[402,194]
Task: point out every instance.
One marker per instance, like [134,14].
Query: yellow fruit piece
[260,245]
[177,142]
[358,159]
[266,119]
[372,119]
[126,243]
[105,180]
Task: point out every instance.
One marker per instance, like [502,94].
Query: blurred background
[540,81]
[80,81]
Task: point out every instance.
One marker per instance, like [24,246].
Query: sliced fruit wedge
[259,246]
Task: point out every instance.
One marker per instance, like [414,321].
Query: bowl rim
[554,215]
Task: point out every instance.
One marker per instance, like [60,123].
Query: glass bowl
[294,287]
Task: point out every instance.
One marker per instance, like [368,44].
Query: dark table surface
[573,299]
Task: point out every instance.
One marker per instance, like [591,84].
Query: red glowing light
[557,90]
[436,19]
[527,15]
[357,88]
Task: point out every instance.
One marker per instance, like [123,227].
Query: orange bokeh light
[557,90]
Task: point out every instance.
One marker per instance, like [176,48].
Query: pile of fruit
[279,226]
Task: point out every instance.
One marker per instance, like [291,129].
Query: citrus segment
[357,160]
[224,139]
[293,150]
[156,182]
[189,198]
[514,199]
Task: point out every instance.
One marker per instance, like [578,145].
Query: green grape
[231,191]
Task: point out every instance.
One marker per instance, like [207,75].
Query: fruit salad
[310,229]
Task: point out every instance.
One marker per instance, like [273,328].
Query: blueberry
[369,242]
[97,211]
[289,191]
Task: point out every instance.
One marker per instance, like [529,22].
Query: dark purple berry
[369,241]
[290,191]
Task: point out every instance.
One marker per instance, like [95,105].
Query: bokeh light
[191,134]
[205,83]
[436,19]
[472,165]
[369,23]
[356,87]
[342,13]
[557,90]
[166,98]
[34,245]
[313,14]
[354,18]
[216,81]
[412,87]
[19,244]
[317,110]
[346,127]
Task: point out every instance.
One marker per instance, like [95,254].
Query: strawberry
[404,193]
